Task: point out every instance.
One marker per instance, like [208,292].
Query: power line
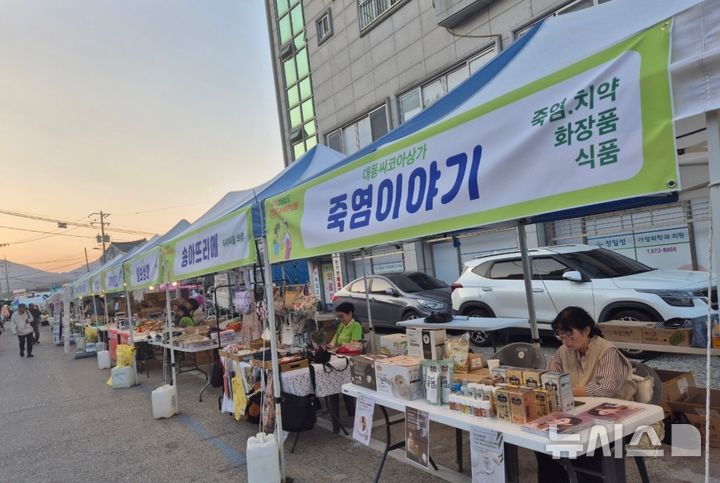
[39,231]
[73,223]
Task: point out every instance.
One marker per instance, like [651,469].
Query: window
[573,6]
[379,285]
[416,100]
[295,67]
[507,270]
[370,11]
[415,282]
[482,269]
[547,268]
[358,287]
[360,133]
[324,27]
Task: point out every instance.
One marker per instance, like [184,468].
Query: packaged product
[502,403]
[499,375]
[475,362]
[457,349]
[514,376]
[446,377]
[561,385]
[543,401]
[522,405]
[531,377]
[400,377]
[431,381]
[426,344]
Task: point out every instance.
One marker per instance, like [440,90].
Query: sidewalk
[59,422]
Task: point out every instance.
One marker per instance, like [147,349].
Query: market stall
[545,133]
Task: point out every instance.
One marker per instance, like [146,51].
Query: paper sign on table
[363,419]
[417,436]
[487,455]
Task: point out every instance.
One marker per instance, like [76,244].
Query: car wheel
[479,337]
[409,315]
[634,315]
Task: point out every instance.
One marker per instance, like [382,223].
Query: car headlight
[676,298]
[431,304]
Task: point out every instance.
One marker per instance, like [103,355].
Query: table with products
[492,325]
[613,469]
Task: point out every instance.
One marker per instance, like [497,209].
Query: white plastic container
[100,346]
[104,359]
[164,402]
[263,465]
[122,377]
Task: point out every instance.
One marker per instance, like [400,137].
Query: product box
[531,377]
[426,344]
[675,385]
[514,376]
[692,404]
[475,362]
[624,331]
[545,402]
[677,337]
[362,370]
[400,377]
[699,422]
[522,405]
[481,376]
[502,403]
[562,386]
[499,375]
[393,344]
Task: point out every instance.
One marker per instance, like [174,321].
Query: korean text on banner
[221,245]
[596,131]
[114,279]
[144,270]
[96,284]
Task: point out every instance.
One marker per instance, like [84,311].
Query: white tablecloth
[298,383]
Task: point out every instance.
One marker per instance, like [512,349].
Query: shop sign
[389,267]
[220,245]
[114,279]
[97,284]
[143,271]
[82,289]
[662,248]
[596,131]
[487,455]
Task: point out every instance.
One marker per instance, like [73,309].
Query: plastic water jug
[164,401]
[103,359]
[263,465]
[100,346]
[122,377]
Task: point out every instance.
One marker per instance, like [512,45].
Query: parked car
[395,297]
[609,286]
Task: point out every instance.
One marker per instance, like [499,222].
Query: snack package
[458,349]
[446,377]
[432,381]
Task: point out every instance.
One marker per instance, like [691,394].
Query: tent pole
[367,303]
[712,119]
[270,309]
[105,304]
[168,323]
[131,338]
[527,278]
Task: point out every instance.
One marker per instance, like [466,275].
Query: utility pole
[7,279]
[103,238]
[87,264]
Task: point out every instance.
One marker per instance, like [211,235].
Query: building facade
[349,71]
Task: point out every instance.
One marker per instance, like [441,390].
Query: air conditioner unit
[287,50]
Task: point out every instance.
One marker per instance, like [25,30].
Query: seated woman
[595,366]
[198,314]
[350,329]
[184,314]
[596,369]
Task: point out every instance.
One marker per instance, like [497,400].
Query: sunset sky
[148,110]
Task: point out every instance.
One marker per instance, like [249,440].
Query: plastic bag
[125,355]
[91,334]
[458,349]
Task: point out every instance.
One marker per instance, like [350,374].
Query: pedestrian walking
[36,315]
[21,326]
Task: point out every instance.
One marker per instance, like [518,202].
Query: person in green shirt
[184,315]
[350,329]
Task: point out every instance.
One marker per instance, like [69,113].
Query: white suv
[604,283]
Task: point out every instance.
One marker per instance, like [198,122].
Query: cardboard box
[699,423]
[522,405]
[675,385]
[475,362]
[624,331]
[502,403]
[481,376]
[426,344]
[514,376]
[694,402]
[562,386]
[532,377]
[400,377]
[362,370]
[676,337]
[393,344]
[284,366]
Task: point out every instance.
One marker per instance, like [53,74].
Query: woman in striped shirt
[595,366]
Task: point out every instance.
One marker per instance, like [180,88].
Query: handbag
[216,373]
[299,413]
[439,318]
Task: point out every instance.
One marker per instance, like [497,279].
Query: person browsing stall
[595,366]
[184,315]
[349,329]
[198,314]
